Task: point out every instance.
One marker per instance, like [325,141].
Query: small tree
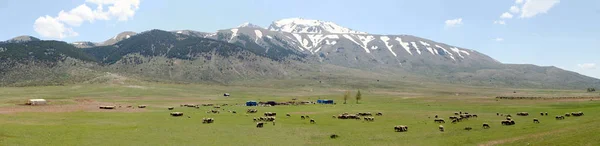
[358,96]
[591,89]
[346,96]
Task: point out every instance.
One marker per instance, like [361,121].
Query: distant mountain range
[288,49]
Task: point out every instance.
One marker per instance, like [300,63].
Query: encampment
[36,102]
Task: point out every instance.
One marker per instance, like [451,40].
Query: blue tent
[251,103]
[325,101]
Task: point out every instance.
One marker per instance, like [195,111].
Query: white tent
[36,102]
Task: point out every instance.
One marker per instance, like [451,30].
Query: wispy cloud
[587,66]
[499,39]
[532,8]
[501,22]
[506,15]
[454,22]
[514,9]
[60,27]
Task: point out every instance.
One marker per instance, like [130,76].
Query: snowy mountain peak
[249,25]
[300,25]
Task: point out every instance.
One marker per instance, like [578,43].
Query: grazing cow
[364,114]
[522,114]
[560,117]
[486,125]
[468,128]
[270,114]
[207,120]
[379,114]
[497,114]
[577,114]
[508,122]
[441,128]
[439,120]
[307,116]
[436,116]
[456,113]
[288,115]
[567,114]
[170,108]
[401,128]
[302,117]
[535,120]
[176,114]
[546,113]
[260,124]
[334,116]
[474,116]
[312,121]
[541,113]
[333,136]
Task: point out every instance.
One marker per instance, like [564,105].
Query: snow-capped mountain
[300,25]
[343,46]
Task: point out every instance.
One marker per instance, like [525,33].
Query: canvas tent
[251,103]
[36,102]
[325,101]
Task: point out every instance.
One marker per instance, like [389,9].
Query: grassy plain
[73,118]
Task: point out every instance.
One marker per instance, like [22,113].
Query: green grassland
[411,104]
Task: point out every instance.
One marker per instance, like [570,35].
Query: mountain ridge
[316,49]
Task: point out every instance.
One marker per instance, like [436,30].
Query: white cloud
[514,9]
[501,22]
[454,22]
[519,1]
[50,27]
[587,66]
[122,9]
[506,15]
[499,39]
[535,7]
[56,27]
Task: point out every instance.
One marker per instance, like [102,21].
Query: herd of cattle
[366,116]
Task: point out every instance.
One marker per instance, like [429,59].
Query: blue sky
[558,33]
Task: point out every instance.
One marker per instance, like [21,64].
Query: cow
[441,128]
[334,136]
[439,120]
[486,125]
[260,124]
[401,128]
[312,121]
[535,120]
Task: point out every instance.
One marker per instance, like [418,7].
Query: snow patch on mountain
[258,35]
[249,25]
[457,51]
[404,45]
[446,52]
[385,40]
[234,34]
[428,47]
[300,25]
[374,47]
[365,40]
[417,48]
[351,39]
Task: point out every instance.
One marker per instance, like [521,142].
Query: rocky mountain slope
[291,48]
